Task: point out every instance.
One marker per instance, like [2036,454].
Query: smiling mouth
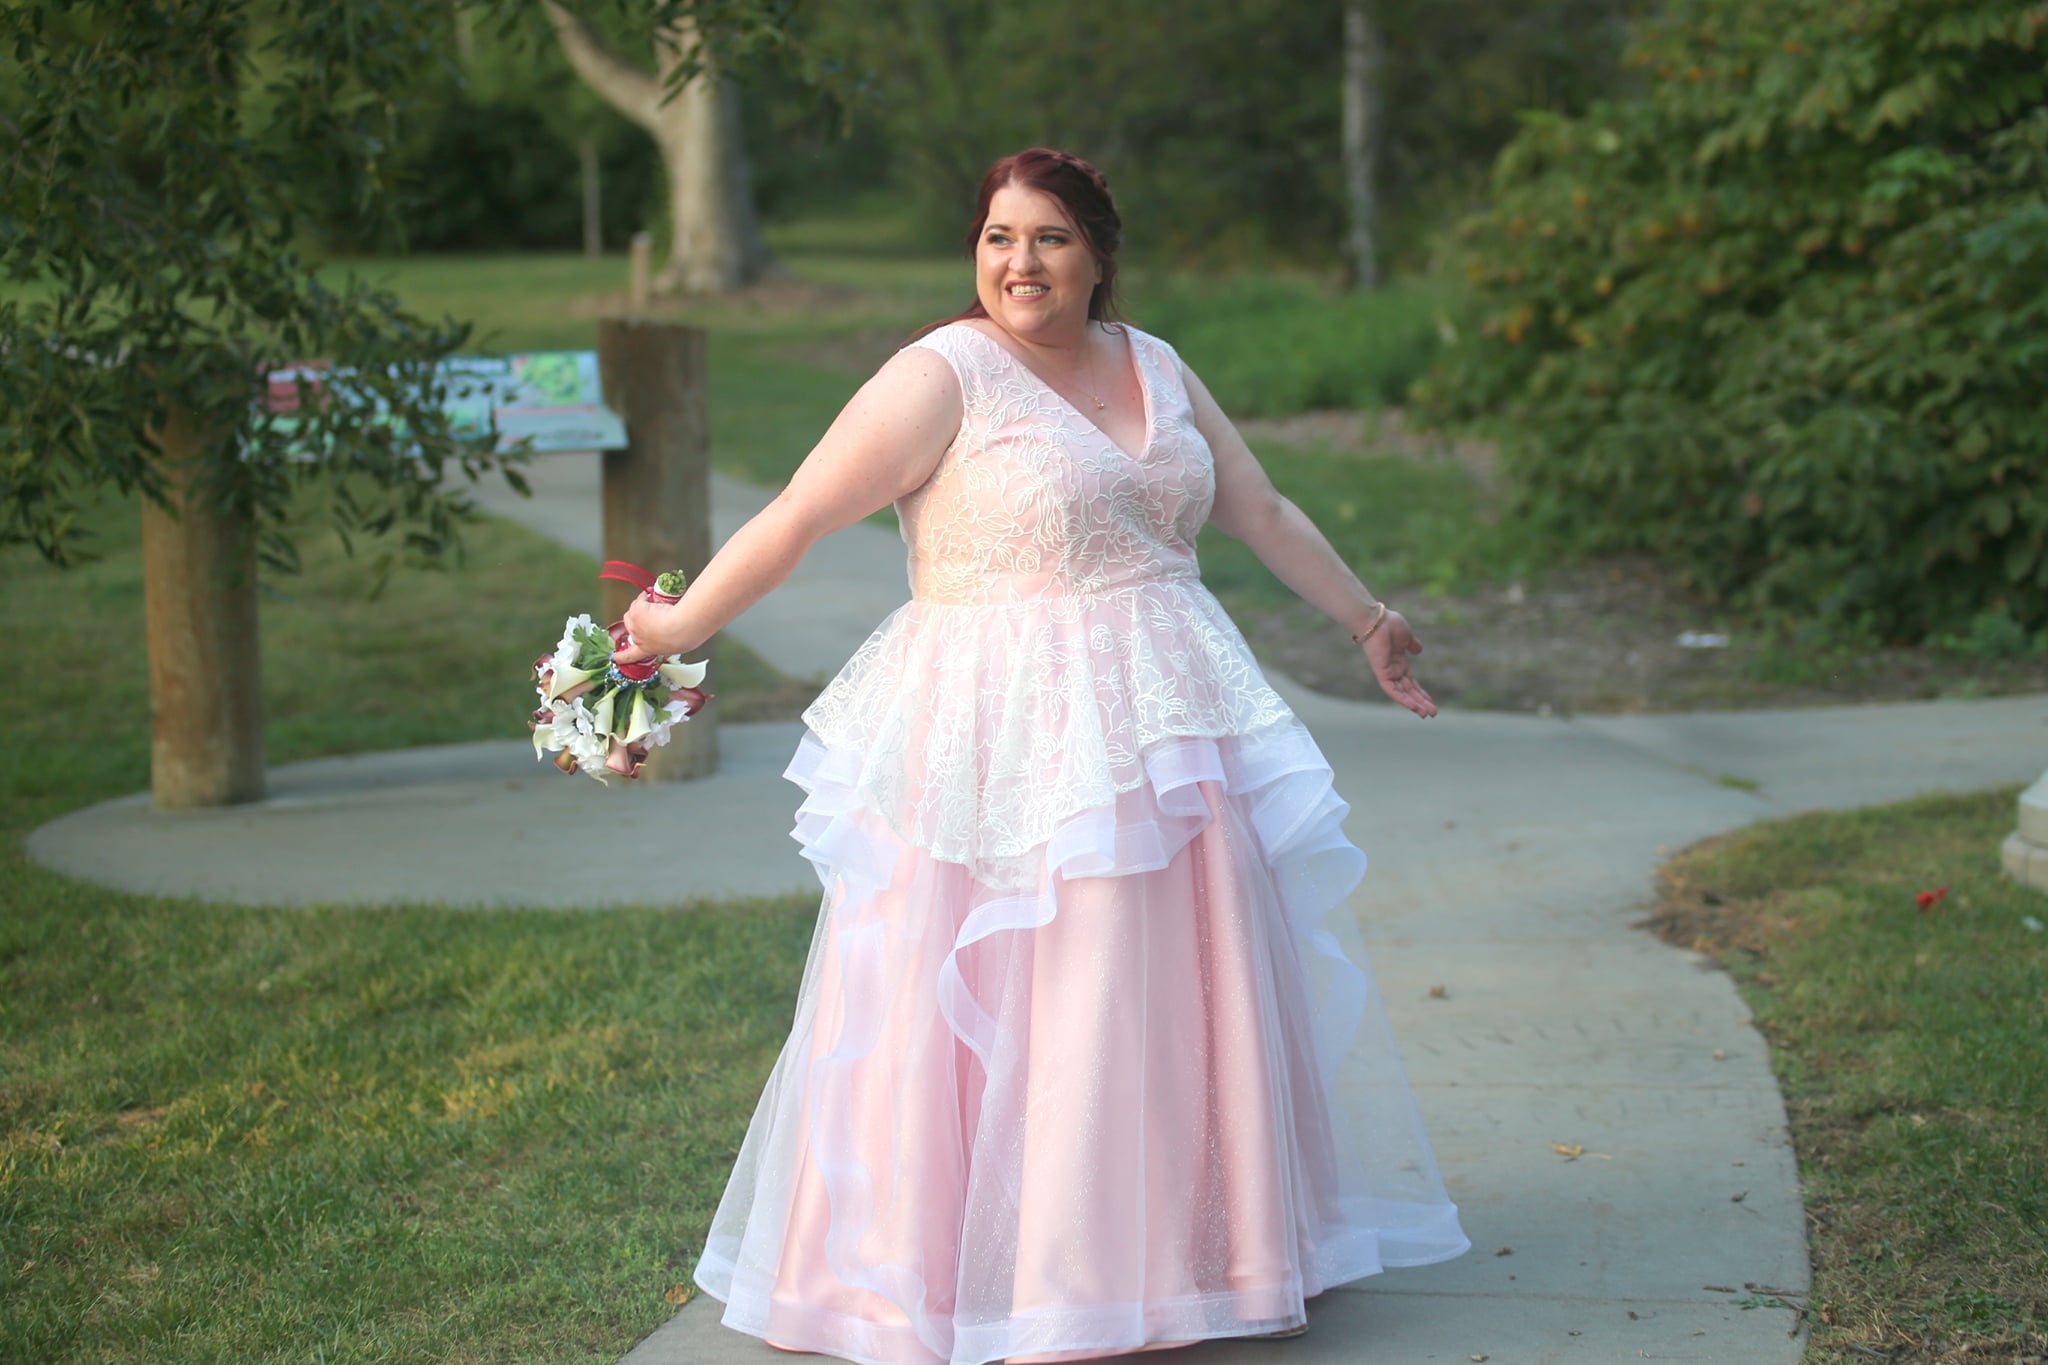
[1028,291]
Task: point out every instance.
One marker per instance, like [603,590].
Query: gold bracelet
[1377,622]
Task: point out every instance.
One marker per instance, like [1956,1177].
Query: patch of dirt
[1604,638]
[1690,915]
[1377,433]
[1593,638]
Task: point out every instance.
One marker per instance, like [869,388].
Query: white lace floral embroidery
[1058,626]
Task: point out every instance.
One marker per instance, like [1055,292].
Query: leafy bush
[1270,346]
[1782,316]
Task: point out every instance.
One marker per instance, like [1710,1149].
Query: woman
[1081,1064]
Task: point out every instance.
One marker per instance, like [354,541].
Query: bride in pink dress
[1087,1058]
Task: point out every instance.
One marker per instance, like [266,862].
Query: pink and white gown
[1087,1057]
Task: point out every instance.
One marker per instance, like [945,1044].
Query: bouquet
[598,716]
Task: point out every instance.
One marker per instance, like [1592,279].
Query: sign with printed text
[541,401]
[550,400]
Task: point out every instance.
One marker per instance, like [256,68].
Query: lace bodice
[1058,628]
[1033,501]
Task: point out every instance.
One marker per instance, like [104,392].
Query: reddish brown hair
[1082,192]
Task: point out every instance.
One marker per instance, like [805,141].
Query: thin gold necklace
[1093,392]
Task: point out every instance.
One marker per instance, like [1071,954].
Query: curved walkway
[1510,857]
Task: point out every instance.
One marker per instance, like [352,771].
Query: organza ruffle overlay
[1147,1096]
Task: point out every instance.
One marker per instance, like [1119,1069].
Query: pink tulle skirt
[1148,1101]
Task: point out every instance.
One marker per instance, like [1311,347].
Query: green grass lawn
[1912,1046]
[344,1135]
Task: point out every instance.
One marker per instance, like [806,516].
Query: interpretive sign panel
[540,401]
[547,400]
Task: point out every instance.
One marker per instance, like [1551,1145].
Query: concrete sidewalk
[1510,857]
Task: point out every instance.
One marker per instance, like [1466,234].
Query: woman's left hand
[1387,650]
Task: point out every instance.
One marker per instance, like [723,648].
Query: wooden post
[657,491]
[205,679]
[640,268]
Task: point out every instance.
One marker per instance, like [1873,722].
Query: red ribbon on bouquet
[627,572]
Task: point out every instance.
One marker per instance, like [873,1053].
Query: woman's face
[1032,271]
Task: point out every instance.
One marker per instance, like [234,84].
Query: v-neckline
[1137,372]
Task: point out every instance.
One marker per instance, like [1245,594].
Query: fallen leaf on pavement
[1568,1149]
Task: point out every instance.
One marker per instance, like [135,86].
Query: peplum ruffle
[982,729]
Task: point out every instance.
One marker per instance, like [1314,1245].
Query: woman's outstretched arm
[884,444]
[1250,509]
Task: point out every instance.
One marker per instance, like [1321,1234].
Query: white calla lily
[683,675]
[641,721]
[565,676]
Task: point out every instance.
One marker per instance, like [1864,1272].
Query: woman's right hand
[646,633]
[1387,650]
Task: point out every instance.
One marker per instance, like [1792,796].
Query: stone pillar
[2026,848]
[657,491]
[205,676]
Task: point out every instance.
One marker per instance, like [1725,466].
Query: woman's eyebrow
[1042,227]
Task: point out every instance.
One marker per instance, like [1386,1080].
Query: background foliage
[1218,127]
[149,200]
[1781,317]
[1216,123]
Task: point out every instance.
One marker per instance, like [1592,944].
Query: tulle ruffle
[1148,1097]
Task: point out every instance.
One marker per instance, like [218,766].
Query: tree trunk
[199,598]
[593,198]
[715,239]
[1363,52]
[465,35]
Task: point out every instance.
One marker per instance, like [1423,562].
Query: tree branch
[624,86]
